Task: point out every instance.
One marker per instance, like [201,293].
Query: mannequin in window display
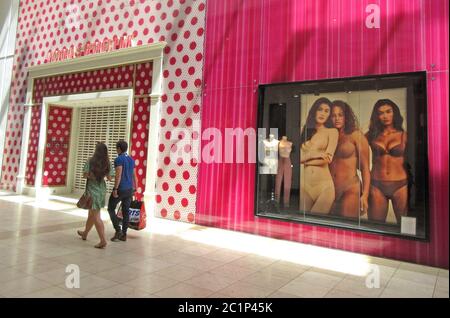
[352,153]
[270,162]
[389,178]
[284,173]
[318,144]
[270,167]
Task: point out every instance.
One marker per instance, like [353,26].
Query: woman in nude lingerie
[352,153]
[389,178]
[318,144]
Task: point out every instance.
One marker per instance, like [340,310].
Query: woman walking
[96,169]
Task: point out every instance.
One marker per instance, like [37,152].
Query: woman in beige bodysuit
[352,153]
[318,144]
[389,178]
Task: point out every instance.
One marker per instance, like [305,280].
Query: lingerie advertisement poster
[347,153]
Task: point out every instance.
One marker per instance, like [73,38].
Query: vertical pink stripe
[287,40]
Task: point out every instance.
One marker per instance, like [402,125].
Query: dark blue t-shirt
[127,163]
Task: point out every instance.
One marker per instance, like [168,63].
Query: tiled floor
[38,241]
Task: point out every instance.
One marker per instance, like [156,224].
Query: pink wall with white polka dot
[57,146]
[45,25]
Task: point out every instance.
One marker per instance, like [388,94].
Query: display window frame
[416,112]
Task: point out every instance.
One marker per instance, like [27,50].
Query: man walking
[124,187]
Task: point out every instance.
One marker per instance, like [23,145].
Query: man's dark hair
[122,145]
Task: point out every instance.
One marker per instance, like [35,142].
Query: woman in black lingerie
[389,179]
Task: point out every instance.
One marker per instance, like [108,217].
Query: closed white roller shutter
[98,124]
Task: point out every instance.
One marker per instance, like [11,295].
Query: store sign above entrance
[83,49]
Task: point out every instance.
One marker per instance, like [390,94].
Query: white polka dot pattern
[47,24]
[57,147]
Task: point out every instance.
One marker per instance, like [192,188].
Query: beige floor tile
[179,272]
[121,274]
[33,246]
[219,296]
[57,276]
[38,267]
[266,280]
[279,294]
[11,273]
[22,286]
[211,281]
[152,283]
[443,273]
[320,279]
[253,262]
[328,272]
[384,261]
[358,288]
[21,258]
[386,274]
[148,252]
[124,258]
[174,257]
[233,271]
[203,263]
[284,269]
[416,277]
[51,292]
[440,294]
[111,249]
[222,255]
[335,293]
[293,264]
[54,252]
[442,283]
[200,250]
[36,244]
[183,290]
[305,290]
[73,258]
[91,284]
[245,290]
[419,268]
[151,265]
[405,289]
[99,265]
[119,291]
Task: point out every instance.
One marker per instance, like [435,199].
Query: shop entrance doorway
[106,124]
[95,117]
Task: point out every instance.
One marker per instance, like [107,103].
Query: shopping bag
[137,215]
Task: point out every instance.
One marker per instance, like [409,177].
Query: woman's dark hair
[376,127]
[309,129]
[122,145]
[99,163]
[351,122]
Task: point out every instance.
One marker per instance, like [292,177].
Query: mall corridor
[171,259]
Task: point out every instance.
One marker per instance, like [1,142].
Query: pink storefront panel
[287,40]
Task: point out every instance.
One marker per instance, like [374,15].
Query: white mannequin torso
[270,163]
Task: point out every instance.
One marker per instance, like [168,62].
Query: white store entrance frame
[75,101]
[147,53]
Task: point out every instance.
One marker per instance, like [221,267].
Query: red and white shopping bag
[137,215]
